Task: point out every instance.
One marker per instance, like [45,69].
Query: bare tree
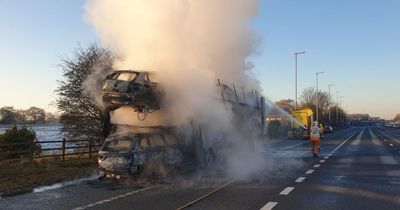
[11,116]
[81,118]
[285,104]
[309,99]
[35,115]
[7,115]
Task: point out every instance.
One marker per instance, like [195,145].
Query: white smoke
[92,85]
[189,44]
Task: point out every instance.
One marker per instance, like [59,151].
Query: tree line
[330,112]
[33,115]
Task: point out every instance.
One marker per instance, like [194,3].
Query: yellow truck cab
[301,122]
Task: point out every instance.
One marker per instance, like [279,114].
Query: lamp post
[295,76]
[329,106]
[316,76]
[341,105]
[337,107]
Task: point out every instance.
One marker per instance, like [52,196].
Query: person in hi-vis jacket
[315,137]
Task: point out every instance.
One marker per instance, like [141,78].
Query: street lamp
[329,106]
[295,76]
[316,76]
[341,105]
[337,107]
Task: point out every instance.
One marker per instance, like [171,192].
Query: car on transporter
[131,88]
[129,153]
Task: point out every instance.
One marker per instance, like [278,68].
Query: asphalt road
[358,168]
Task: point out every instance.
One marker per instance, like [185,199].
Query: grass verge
[17,177]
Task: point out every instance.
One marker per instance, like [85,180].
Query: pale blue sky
[355,42]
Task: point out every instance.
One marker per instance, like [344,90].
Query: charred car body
[131,88]
[130,152]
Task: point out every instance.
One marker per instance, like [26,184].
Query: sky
[355,43]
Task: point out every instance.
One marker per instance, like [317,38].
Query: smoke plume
[189,44]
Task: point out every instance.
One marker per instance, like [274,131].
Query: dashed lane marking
[269,206]
[300,179]
[309,171]
[391,145]
[287,190]
[114,198]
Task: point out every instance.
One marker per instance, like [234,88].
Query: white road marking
[322,161]
[384,140]
[300,179]
[291,146]
[309,171]
[326,157]
[391,145]
[344,142]
[269,206]
[287,190]
[113,198]
[357,140]
[317,165]
[390,160]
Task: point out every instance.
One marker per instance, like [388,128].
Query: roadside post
[63,149]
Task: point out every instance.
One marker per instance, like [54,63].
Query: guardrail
[68,148]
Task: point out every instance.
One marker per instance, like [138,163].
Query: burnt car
[129,153]
[131,88]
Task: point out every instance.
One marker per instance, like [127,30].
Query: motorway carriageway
[358,168]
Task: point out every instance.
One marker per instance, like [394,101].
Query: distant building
[359,117]
[365,120]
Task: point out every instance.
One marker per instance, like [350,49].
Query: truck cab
[301,122]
